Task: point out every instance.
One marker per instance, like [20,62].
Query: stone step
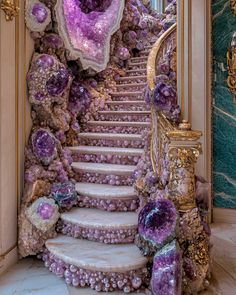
[110,136]
[136,72]
[131,86]
[122,124]
[112,139]
[138,59]
[100,266]
[98,168]
[138,65]
[105,191]
[132,79]
[107,197]
[127,94]
[96,256]
[100,224]
[124,115]
[124,127]
[106,150]
[135,105]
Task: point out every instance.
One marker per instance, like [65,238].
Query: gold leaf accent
[9,9]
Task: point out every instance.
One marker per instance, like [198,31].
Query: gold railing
[174,148]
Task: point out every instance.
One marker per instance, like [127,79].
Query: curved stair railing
[174,147]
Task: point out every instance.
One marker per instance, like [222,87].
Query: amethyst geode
[37,15]
[167,271]
[44,146]
[64,194]
[86,28]
[157,226]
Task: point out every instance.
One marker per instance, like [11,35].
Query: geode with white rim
[37,15]
[86,29]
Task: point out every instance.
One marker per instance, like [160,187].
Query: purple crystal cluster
[64,194]
[157,224]
[167,271]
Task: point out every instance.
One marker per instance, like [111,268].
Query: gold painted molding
[10,9]
[233,5]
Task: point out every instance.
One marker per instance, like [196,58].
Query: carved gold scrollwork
[231,62]
[181,185]
[9,9]
[233,5]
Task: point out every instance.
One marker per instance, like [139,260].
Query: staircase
[95,247]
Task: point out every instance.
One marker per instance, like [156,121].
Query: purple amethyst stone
[64,194]
[44,145]
[45,61]
[39,12]
[45,211]
[58,82]
[158,222]
[167,271]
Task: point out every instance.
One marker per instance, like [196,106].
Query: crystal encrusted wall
[224,110]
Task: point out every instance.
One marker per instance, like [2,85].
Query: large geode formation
[167,270]
[86,28]
[157,226]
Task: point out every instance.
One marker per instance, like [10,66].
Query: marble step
[116,127]
[137,65]
[127,95]
[143,116]
[106,150]
[136,72]
[110,155]
[135,105]
[107,197]
[104,173]
[138,59]
[98,168]
[99,226]
[105,191]
[131,86]
[99,266]
[132,79]
[144,53]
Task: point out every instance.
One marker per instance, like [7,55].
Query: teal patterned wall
[224,110]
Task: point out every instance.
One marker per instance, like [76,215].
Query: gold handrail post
[184,150]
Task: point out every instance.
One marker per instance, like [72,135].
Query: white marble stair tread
[105,191]
[96,256]
[106,150]
[126,93]
[110,136]
[136,70]
[125,170]
[126,102]
[120,123]
[141,63]
[124,112]
[125,78]
[141,84]
[98,219]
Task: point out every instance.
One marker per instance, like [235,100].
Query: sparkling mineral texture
[157,225]
[43,214]
[48,80]
[64,194]
[37,15]
[86,28]
[44,146]
[167,271]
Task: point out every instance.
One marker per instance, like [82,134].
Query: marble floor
[30,277]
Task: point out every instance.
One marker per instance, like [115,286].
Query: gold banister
[174,147]
[151,63]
